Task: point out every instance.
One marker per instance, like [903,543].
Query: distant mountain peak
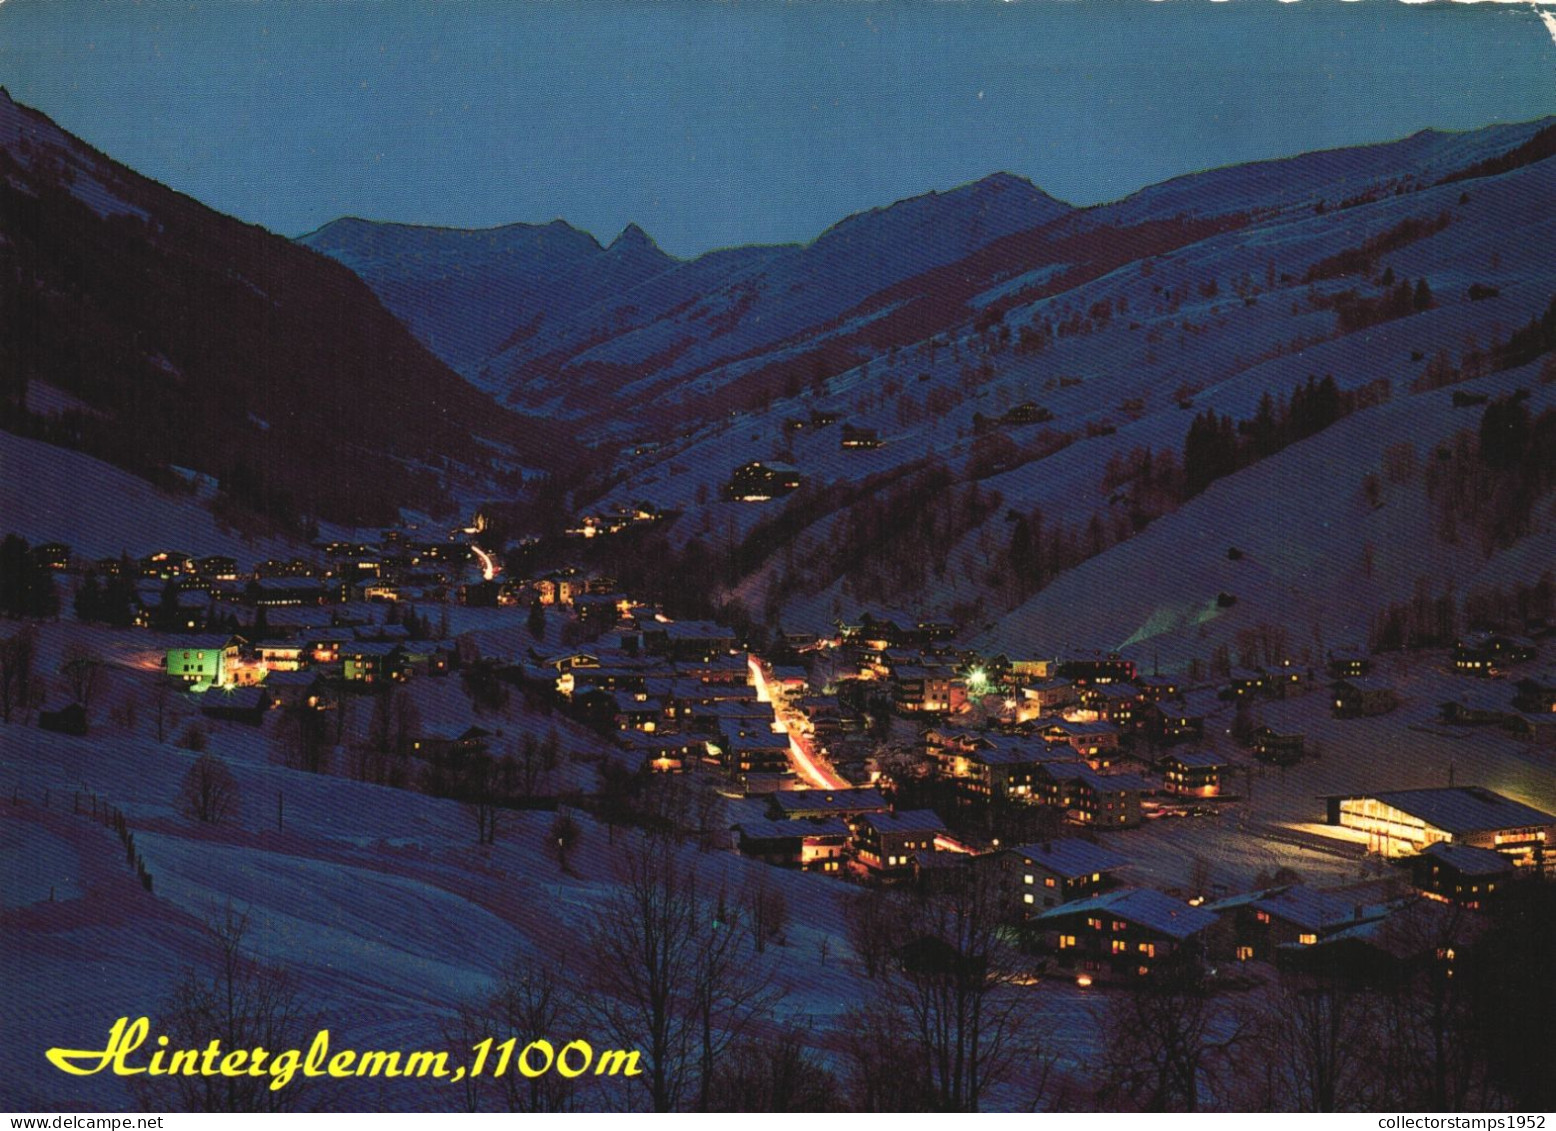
[633,237]
[1011,183]
[1004,180]
[1019,202]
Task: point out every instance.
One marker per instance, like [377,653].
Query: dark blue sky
[713,124]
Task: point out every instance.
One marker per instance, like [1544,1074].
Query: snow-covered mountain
[571,329]
[471,294]
[546,319]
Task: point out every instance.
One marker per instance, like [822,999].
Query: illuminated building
[1404,822]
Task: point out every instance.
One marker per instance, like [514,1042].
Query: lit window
[1048,881]
[1307,939]
[1027,898]
[1027,879]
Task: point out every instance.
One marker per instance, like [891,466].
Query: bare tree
[370,758]
[462,1032]
[1308,1040]
[531,1001]
[209,793]
[729,993]
[407,723]
[642,951]
[304,738]
[1167,1038]
[488,694]
[392,730]
[710,809]
[667,801]
[343,713]
[484,785]
[766,909]
[954,989]
[884,1072]
[243,1003]
[81,669]
[17,653]
[667,975]
[536,761]
[124,714]
[1325,1039]
[37,695]
[1428,1015]
[774,1073]
[873,922]
[563,837]
[161,695]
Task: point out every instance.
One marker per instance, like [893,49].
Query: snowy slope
[52,494]
[372,898]
[1301,522]
[1171,336]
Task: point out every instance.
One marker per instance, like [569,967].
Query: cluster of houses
[1489,654]
[1073,899]
[591,597]
[1521,703]
[1526,709]
[616,519]
[1459,849]
[1057,735]
[759,482]
[1052,734]
[674,694]
[300,663]
[824,830]
[852,436]
[286,631]
[211,593]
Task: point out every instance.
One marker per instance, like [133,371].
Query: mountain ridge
[734,327]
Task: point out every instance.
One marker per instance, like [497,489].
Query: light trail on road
[805,763]
[488,562]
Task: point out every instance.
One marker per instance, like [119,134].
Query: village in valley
[1268,815]
[879,753]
